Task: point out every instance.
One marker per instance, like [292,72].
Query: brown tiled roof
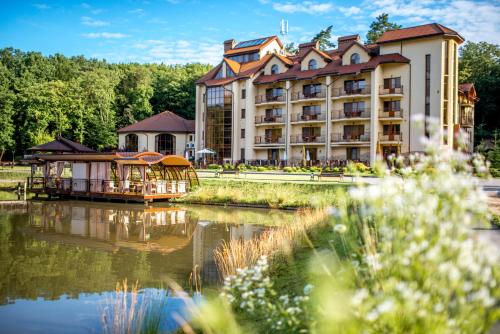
[348,37]
[254,47]
[465,87]
[210,74]
[333,68]
[166,121]
[62,144]
[426,30]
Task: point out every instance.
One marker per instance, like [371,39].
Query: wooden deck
[112,196]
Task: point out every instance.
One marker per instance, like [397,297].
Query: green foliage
[85,100]
[291,48]
[324,38]
[479,64]
[214,166]
[379,26]
[494,155]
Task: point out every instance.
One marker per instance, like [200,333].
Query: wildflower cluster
[421,265]
[251,292]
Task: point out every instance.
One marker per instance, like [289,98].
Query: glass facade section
[218,131]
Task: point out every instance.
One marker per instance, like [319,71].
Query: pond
[60,261]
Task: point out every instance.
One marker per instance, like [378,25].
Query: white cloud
[475,20]
[308,7]
[88,21]
[348,11]
[139,12]
[107,35]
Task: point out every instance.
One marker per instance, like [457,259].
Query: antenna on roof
[284,27]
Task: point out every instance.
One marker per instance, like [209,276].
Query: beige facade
[359,102]
[183,142]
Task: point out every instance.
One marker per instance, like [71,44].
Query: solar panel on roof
[246,44]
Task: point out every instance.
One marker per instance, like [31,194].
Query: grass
[271,195]
[275,243]
[12,196]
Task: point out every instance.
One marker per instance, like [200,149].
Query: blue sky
[180,31]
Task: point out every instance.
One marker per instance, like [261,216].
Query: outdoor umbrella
[205,151]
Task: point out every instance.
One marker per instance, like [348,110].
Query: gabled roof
[62,144]
[351,44]
[165,121]
[268,40]
[426,30]
[468,90]
[326,57]
[233,65]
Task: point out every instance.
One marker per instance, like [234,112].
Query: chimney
[229,45]
[345,41]
[309,45]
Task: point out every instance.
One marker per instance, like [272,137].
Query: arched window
[355,58]
[131,142]
[165,143]
[312,64]
[275,69]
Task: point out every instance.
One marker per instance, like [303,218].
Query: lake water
[61,260]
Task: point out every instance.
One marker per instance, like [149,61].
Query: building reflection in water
[167,230]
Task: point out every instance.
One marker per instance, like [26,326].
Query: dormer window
[275,69]
[229,72]
[355,58]
[219,74]
[313,65]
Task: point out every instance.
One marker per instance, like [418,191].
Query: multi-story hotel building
[356,102]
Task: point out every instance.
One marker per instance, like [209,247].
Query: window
[218,123]
[131,142]
[273,114]
[353,153]
[311,90]
[272,135]
[245,58]
[243,93]
[311,110]
[275,69]
[242,153]
[219,74]
[313,65]
[355,86]
[274,94]
[427,93]
[391,129]
[310,133]
[242,133]
[392,105]
[243,112]
[229,72]
[354,131]
[354,109]
[355,58]
[165,143]
[392,83]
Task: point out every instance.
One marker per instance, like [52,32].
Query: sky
[182,31]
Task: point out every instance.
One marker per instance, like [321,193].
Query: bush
[261,169]
[288,169]
[228,166]
[214,166]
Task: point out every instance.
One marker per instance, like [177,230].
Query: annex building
[358,102]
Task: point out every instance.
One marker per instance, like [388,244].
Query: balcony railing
[269,98]
[345,137]
[98,186]
[301,117]
[355,113]
[303,139]
[389,91]
[342,91]
[306,96]
[263,140]
[390,113]
[269,119]
[390,137]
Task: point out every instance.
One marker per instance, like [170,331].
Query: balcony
[353,114]
[261,99]
[390,114]
[338,92]
[394,91]
[307,139]
[263,140]
[390,137]
[269,120]
[298,96]
[350,138]
[301,117]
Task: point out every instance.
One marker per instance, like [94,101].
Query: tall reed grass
[131,311]
[283,240]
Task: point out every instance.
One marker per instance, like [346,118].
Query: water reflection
[52,252]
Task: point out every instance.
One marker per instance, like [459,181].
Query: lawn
[265,194]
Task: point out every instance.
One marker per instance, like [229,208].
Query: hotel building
[356,102]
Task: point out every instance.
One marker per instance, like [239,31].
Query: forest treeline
[85,100]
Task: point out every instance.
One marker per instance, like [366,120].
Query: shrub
[261,169]
[288,169]
[214,166]
[241,167]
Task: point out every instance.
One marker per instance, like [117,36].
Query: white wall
[147,141]
[363,55]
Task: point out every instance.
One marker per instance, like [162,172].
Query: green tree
[379,26]
[6,112]
[479,64]
[324,37]
[291,48]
